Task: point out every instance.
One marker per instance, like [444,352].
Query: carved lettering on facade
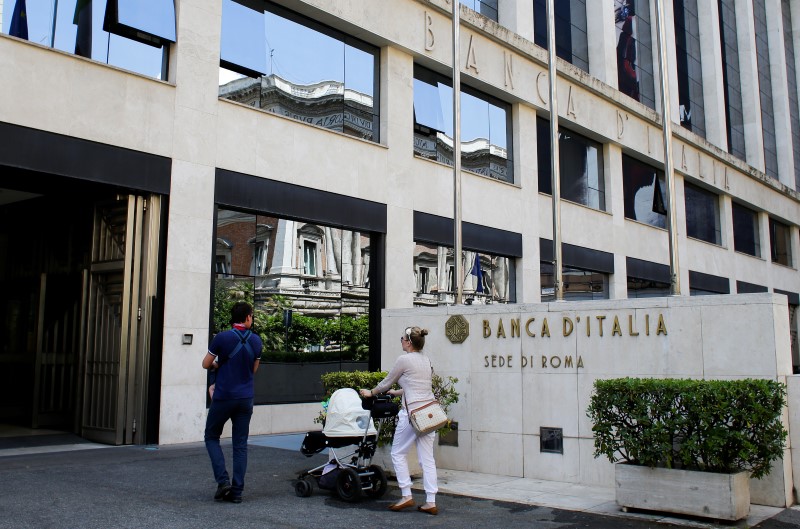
[684,164]
[430,38]
[472,59]
[509,69]
[571,105]
[621,119]
[539,80]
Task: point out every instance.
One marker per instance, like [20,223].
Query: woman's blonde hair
[416,336]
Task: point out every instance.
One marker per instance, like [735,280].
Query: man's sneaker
[222,490]
[229,496]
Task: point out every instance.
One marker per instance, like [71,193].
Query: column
[748,69]
[601,34]
[526,169]
[615,204]
[283,257]
[713,85]
[780,94]
[516,15]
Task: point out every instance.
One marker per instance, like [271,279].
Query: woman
[412,372]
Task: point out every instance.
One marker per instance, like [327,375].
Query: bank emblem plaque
[456,328]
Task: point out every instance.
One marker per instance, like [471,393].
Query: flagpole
[555,163]
[457,154]
[669,168]
[55,17]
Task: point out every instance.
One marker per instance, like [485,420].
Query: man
[235,354]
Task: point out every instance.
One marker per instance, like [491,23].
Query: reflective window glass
[311,73]
[579,284]
[78,27]
[690,74]
[634,50]
[731,78]
[572,43]
[150,21]
[487,8]
[243,41]
[746,238]
[581,166]
[487,278]
[645,192]
[485,127]
[765,88]
[647,288]
[780,243]
[702,214]
[311,306]
[791,74]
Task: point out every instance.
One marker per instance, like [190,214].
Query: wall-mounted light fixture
[186,339]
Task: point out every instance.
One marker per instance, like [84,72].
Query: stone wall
[529,366]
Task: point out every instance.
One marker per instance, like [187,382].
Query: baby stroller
[349,428]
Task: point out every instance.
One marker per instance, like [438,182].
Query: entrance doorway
[80,317]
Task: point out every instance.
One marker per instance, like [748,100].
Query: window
[320,274]
[485,126]
[765,89]
[702,214]
[746,238]
[309,258]
[487,8]
[579,284]
[731,78]
[635,50]
[123,33]
[487,278]
[701,284]
[780,243]
[572,44]
[645,192]
[647,288]
[284,63]
[690,74]
[582,179]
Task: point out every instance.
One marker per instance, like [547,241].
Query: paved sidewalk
[94,486]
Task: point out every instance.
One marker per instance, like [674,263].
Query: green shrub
[708,425]
[443,389]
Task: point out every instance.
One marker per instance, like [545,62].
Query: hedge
[722,426]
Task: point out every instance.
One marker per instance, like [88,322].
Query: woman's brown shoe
[428,510]
[400,505]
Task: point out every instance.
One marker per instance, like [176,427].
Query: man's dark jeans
[239,411]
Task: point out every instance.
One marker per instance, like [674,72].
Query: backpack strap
[244,338]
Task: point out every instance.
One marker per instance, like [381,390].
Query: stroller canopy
[346,417]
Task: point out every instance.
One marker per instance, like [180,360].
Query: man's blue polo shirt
[234,375]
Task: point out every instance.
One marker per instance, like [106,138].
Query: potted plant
[688,446]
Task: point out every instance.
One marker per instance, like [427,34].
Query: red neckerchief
[239,326]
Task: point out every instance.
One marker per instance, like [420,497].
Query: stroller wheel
[348,485]
[303,487]
[378,481]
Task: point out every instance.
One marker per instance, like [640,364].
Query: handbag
[380,406]
[428,418]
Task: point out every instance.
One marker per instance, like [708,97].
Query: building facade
[158,163]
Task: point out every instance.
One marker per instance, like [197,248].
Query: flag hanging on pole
[19,21]
[476,271]
[83,19]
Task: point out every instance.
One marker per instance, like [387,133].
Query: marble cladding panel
[550,401]
[192,192]
[186,299]
[738,341]
[197,83]
[594,470]
[289,418]
[497,453]
[495,402]
[585,390]
[195,136]
[189,244]
[783,338]
[549,466]
[774,489]
[455,457]
[181,364]
[185,411]
[237,138]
